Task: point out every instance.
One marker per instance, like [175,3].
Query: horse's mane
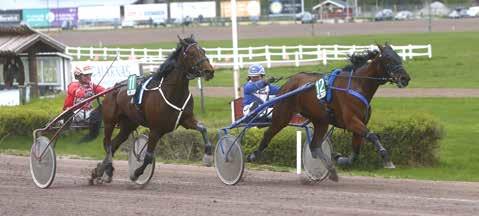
[358,59]
[170,62]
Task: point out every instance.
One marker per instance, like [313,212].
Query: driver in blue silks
[258,90]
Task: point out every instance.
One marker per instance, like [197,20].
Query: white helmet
[83,70]
[256,70]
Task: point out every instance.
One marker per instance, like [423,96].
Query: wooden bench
[237,113]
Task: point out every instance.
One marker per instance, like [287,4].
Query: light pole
[234,37]
[429,26]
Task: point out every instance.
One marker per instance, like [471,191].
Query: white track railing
[267,55]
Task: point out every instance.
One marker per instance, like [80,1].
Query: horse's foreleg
[97,173]
[153,138]
[372,137]
[359,128]
[192,123]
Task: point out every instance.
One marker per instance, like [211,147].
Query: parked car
[385,14]
[458,13]
[128,24]
[159,22]
[404,15]
[307,18]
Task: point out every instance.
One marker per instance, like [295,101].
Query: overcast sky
[24,4]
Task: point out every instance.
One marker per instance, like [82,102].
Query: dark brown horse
[352,92]
[166,105]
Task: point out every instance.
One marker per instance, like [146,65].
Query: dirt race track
[195,190]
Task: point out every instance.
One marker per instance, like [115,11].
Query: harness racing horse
[167,103]
[351,91]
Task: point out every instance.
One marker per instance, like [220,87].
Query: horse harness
[194,70]
[331,77]
[181,110]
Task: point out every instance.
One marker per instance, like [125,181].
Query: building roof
[21,38]
[337,3]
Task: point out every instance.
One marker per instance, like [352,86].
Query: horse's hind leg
[192,123]
[153,138]
[320,129]
[281,117]
[126,127]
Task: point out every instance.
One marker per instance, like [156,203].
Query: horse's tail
[94,125]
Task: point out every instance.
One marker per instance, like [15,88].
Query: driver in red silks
[84,88]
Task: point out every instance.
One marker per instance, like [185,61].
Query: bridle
[195,71]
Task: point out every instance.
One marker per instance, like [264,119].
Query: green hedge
[16,121]
[412,139]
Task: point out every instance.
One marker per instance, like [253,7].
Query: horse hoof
[343,161]
[251,157]
[133,177]
[389,165]
[107,178]
[208,160]
[333,175]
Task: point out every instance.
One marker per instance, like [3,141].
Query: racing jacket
[77,92]
[258,92]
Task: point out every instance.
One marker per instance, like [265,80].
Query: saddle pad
[139,93]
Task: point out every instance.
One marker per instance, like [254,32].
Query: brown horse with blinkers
[352,90]
[167,103]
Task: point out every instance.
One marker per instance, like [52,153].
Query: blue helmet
[256,70]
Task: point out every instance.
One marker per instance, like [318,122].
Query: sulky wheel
[43,162]
[136,157]
[315,168]
[229,166]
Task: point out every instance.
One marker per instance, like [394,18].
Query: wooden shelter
[20,46]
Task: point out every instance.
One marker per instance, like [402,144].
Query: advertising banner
[63,17]
[284,7]
[99,13]
[180,10]
[143,12]
[119,71]
[36,17]
[243,8]
[10,16]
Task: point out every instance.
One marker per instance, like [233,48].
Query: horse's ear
[182,42]
[192,37]
[381,47]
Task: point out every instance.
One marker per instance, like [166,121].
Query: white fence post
[118,53]
[78,52]
[91,52]
[145,53]
[132,53]
[325,57]
[250,53]
[300,48]
[160,54]
[335,48]
[403,53]
[429,51]
[105,50]
[284,55]
[298,152]
[318,52]
[268,56]
[410,51]
[240,61]
[296,59]
[218,53]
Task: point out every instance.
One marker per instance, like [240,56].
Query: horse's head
[392,66]
[195,60]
